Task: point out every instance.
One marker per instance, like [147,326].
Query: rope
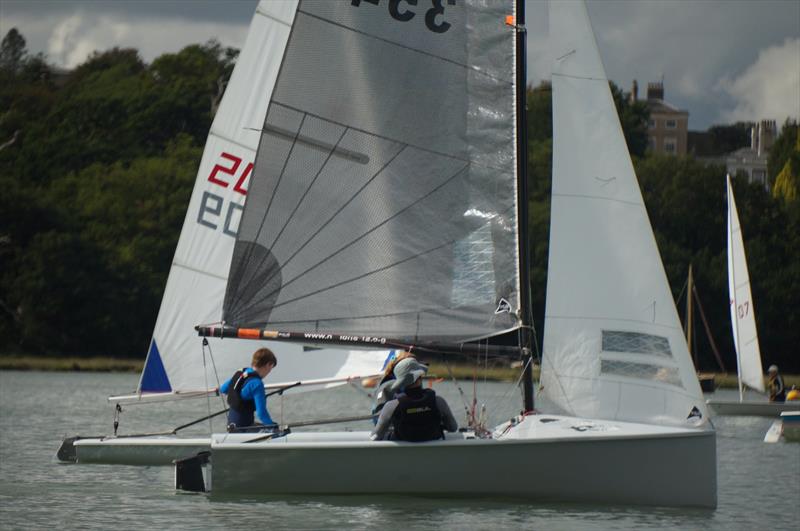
[458,386]
[205,376]
[516,384]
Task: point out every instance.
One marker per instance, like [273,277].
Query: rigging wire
[205,345]
[458,386]
[205,376]
[516,384]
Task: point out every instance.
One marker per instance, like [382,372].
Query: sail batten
[385,203]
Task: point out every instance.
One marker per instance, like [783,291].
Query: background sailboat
[177,366]
[743,323]
[692,297]
[418,242]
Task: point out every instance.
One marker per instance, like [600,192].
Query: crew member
[416,415]
[777,391]
[245,391]
[388,387]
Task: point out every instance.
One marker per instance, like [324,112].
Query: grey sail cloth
[383,196]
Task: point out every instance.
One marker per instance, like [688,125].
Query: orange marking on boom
[509,20]
[249,333]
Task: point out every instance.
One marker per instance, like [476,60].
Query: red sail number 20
[230,169]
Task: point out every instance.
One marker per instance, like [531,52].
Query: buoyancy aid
[417,417]
[235,400]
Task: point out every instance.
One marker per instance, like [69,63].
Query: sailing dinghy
[743,323]
[392,211]
[177,367]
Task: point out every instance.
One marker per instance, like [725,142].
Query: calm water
[759,484]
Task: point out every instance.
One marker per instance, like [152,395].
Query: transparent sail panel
[383,196]
[642,371]
[474,279]
[635,342]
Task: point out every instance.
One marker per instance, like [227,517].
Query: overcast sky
[722,60]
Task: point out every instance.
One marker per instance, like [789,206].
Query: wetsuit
[249,398]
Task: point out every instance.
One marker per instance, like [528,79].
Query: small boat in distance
[786,428]
[745,336]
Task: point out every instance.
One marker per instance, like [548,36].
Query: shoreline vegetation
[437,370]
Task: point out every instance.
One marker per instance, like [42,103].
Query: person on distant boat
[777,391]
[245,391]
[388,385]
[417,414]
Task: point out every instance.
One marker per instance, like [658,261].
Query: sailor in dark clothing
[416,415]
[389,385]
[245,391]
[777,391]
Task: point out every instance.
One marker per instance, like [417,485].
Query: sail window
[642,371]
[473,281]
[635,343]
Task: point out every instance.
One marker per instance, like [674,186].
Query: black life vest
[417,417]
[235,400]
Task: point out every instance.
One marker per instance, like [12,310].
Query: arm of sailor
[224,387]
[260,399]
[384,421]
[448,420]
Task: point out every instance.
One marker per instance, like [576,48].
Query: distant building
[753,160]
[669,126]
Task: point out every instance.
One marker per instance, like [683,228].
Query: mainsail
[743,321]
[196,285]
[613,344]
[383,199]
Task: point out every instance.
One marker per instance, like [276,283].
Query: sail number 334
[405,10]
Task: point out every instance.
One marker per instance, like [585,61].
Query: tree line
[97,165]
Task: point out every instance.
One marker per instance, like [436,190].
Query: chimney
[634,92]
[655,90]
[767,131]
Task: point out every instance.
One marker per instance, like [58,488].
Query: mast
[690,318]
[526,320]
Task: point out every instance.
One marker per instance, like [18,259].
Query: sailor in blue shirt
[245,391]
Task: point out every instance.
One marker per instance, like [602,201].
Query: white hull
[791,425]
[146,451]
[544,458]
[750,409]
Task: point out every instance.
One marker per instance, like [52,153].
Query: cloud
[69,40]
[767,89]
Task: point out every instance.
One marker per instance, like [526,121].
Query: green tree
[96,169]
[12,51]
[783,163]
[633,116]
